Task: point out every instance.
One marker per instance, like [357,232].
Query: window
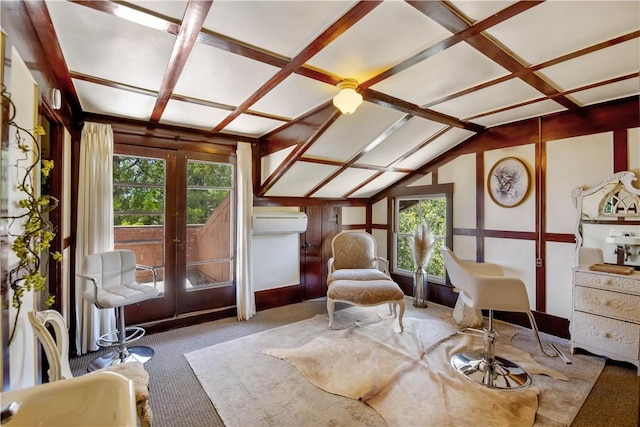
[410,211]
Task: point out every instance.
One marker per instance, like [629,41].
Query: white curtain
[245,298]
[95,226]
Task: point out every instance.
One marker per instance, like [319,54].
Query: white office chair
[56,348]
[483,286]
[113,275]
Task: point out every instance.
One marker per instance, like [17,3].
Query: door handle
[306,245]
[178,243]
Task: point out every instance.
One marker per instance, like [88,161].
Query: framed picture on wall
[508,182]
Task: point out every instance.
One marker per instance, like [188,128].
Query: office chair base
[131,354]
[501,374]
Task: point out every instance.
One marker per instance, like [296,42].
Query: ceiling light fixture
[347,100]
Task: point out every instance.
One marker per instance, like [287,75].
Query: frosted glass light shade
[347,100]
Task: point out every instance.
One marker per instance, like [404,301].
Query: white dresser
[606,314]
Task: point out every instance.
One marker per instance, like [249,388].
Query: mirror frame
[578,194]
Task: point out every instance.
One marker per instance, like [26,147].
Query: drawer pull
[607,335]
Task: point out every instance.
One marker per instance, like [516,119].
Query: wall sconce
[347,100]
[55,98]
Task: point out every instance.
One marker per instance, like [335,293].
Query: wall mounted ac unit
[279,222]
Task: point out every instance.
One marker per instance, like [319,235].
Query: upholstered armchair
[358,276]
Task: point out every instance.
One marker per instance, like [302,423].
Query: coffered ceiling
[432,74]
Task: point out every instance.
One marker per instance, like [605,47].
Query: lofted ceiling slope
[432,74]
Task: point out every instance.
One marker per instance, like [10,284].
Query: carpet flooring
[177,399]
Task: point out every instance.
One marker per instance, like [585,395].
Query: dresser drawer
[609,282]
[613,336]
[606,303]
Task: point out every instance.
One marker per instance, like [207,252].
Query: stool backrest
[111,268]
[56,348]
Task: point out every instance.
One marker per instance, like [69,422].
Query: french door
[175,210]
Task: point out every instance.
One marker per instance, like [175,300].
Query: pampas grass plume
[422,245]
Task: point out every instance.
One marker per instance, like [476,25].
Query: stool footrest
[133,333]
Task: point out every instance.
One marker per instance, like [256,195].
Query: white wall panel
[24,94]
[517,258]
[571,163]
[381,241]
[465,247]
[462,173]
[379,212]
[634,153]
[354,215]
[559,264]
[517,218]
[424,180]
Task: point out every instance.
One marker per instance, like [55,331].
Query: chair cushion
[369,292]
[357,274]
[117,296]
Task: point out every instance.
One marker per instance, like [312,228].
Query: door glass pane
[139,212]
[209,225]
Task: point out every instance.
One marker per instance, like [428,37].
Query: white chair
[56,348]
[357,276]
[113,276]
[483,286]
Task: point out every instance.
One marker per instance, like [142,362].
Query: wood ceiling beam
[43,26]
[428,9]
[194,17]
[353,15]
[384,135]
[449,18]
[398,104]
[297,153]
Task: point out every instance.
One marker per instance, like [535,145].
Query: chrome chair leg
[556,351]
[488,369]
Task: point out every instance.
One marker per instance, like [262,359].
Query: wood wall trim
[620,150]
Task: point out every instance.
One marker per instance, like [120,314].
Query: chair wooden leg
[400,315]
[330,309]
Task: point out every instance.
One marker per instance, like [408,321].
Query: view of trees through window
[207,186]
[138,194]
[138,191]
[410,212]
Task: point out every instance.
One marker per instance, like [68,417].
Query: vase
[420,288]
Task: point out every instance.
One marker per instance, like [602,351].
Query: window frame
[420,192]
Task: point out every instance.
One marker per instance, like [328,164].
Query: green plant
[37,231]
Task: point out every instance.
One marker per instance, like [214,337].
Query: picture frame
[508,182]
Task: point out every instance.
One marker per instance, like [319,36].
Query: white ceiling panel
[378,184]
[300,179]
[100,99]
[390,33]
[345,182]
[555,28]
[447,141]
[349,134]
[414,132]
[524,112]
[608,92]
[270,162]
[255,22]
[478,10]
[441,75]
[295,96]
[220,76]
[198,116]
[173,8]
[140,64]
[510,92]
[614,61]
[250,125]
